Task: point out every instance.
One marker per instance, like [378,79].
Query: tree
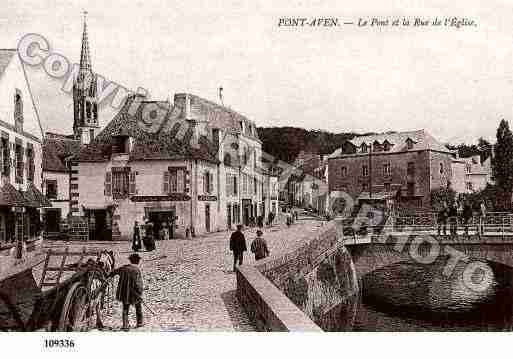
[503,162]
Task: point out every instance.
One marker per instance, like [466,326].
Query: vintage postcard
[266,166]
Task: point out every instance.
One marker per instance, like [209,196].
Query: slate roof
[161,145]
[221,116]
[35,198]
[56,149]
[10,196]
[5,57]
[422,140]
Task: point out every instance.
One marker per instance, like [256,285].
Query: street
[190,284]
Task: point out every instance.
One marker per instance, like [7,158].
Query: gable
[12,80]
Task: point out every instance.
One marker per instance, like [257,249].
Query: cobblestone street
[190,284]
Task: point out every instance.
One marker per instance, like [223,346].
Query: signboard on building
[172,197]
[207,198]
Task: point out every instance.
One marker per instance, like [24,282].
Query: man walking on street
[259,246]
[237,246]
[130,289]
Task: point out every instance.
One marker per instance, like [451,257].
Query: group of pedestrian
[238,246]
[462,213]
[143,235]
[291,216]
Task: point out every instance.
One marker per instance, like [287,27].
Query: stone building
[20,155]
[470,174]
[400,168]
[58,152]
[196,167]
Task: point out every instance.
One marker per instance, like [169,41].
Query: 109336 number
[59,343]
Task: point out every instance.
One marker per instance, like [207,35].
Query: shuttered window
[133,188]
[165,183]
[180,181]
[108,184]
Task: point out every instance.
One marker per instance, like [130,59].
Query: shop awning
[35,198]
[11,197]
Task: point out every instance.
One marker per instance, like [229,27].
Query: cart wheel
[74,315]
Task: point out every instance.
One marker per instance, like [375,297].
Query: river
[408,296]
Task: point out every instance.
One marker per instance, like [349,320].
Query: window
[468,168]
[30,160]
[208,185]
[227,160]
[386,146]
[88,110]
[235,187]
[174,180]
[410,170]
[469,186]
[343,171]
[6,156]
[441,168]
[376,147]
[18,111]
[19,163]
[387,187]
[365,187]
[51,189]
[364,148]
[255,186]
[409,143]
[91,135]
[120,182]
[386,169]
[365,170]
[410,189]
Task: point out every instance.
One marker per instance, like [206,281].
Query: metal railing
[493,224]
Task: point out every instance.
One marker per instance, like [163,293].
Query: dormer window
[376,146]
[364,148]
[387,146]
[409,143]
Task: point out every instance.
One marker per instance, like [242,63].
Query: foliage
[483,148]
[503,163]
[492,196]
[285,143]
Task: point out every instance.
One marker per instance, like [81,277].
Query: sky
[455,83]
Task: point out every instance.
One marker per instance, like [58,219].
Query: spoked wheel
[75,315]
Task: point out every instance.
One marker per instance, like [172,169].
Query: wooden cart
[69,297]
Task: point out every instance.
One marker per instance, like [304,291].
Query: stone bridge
[373,253]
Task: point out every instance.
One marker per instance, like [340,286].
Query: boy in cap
[259,246]
[130,289]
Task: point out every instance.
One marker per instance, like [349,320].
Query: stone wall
[317,276]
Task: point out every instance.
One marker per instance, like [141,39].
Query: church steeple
[85,102]
[85,58]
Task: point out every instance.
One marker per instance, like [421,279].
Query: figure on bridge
[442,219]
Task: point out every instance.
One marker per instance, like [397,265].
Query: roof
[161,145]
[10,196]
[5,57]
[421,140]
[34,197]
[219,116]
[56,150]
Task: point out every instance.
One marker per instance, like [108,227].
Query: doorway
[52,219]
[158,219]
[207,217]
[229,215]
[99,226]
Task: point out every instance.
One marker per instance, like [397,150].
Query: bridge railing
[494,223]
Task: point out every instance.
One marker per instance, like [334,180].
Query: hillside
[285,143]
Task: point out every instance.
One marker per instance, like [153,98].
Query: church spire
[85,58]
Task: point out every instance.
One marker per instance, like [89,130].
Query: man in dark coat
[467,216]
[130,289]
[237,246]
[453,218]
[259,246]
[442,219]
[136,242]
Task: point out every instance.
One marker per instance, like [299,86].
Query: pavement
[190,284]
